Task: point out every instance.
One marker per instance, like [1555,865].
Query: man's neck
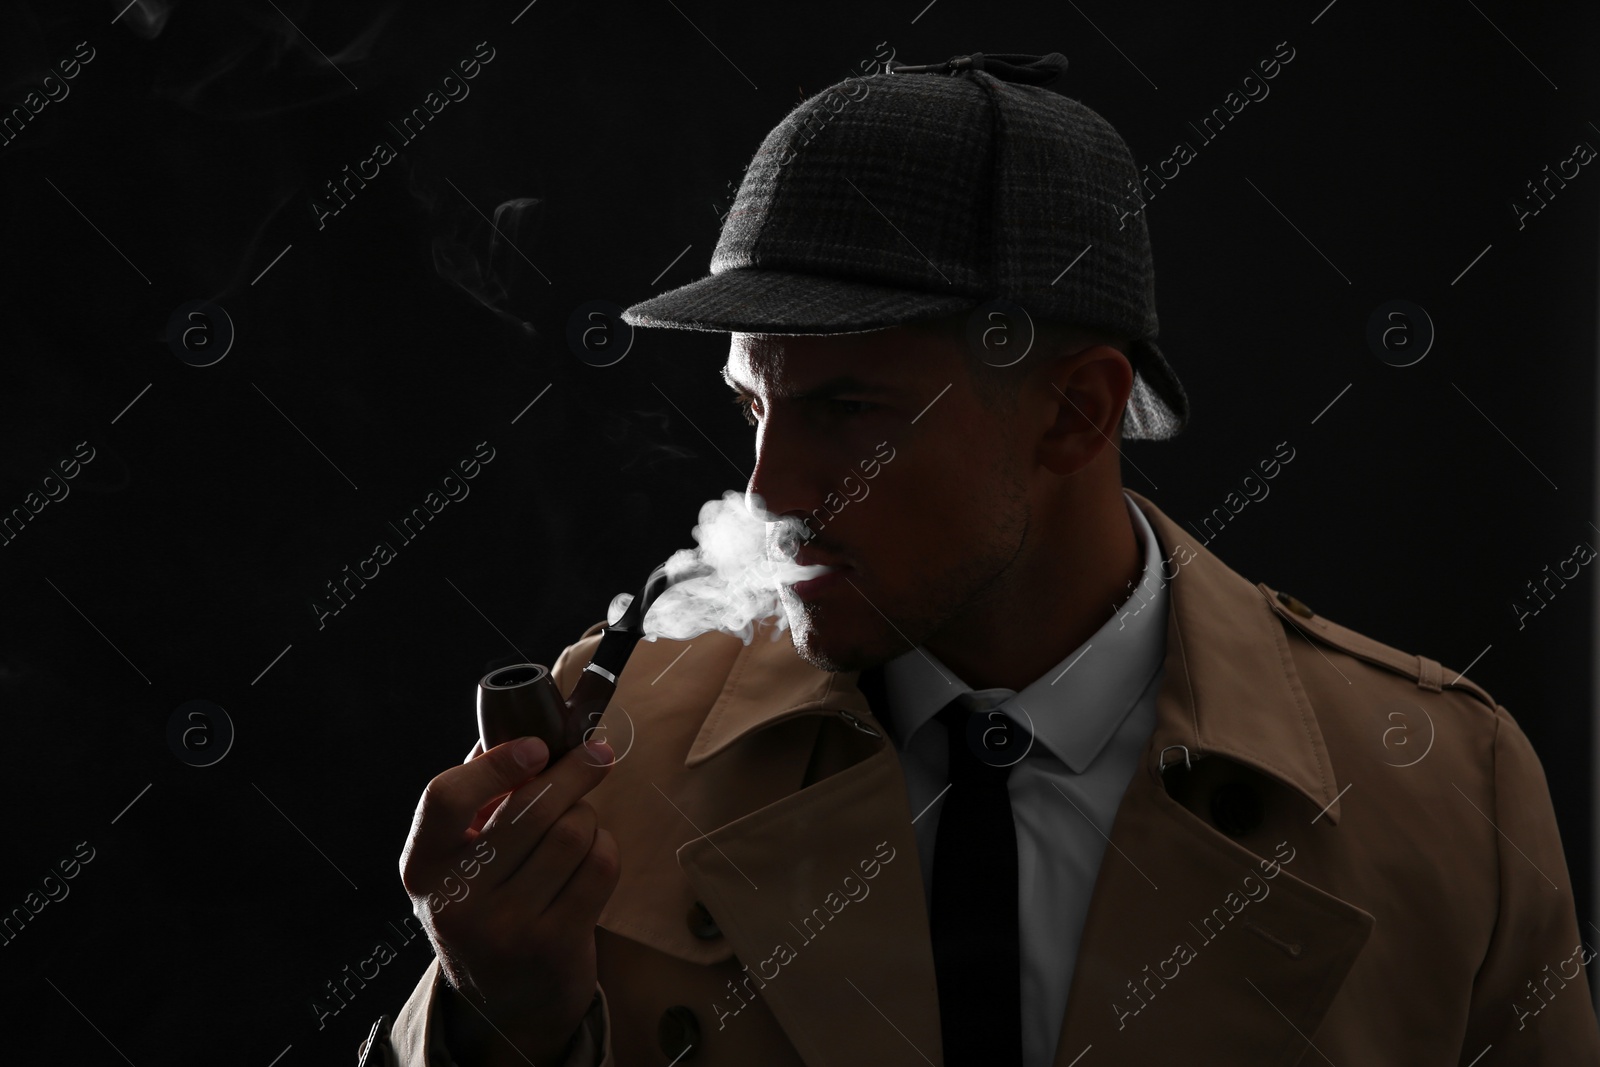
[1073,579]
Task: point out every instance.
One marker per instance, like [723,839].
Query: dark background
[379,350]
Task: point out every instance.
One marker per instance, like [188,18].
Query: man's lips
[808,557]
[834,578]
[831,578]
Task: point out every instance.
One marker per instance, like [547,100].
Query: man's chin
[834,643]
[823,659]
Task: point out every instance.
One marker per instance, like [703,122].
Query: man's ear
[1089,390]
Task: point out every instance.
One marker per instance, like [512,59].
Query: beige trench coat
[1390,888]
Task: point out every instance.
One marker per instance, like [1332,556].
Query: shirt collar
[1075,706]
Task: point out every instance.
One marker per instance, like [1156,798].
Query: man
[1163,812]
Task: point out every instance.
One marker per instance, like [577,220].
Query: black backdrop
[375,348]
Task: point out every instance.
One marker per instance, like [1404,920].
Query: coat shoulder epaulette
[1428,673]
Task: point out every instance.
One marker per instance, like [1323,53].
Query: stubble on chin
[809,630]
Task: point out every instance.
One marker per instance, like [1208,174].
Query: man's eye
[746,405]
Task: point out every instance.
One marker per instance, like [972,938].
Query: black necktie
[976,942]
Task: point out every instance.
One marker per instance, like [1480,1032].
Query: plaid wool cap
[926,191]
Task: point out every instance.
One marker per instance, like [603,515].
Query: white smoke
[728,583]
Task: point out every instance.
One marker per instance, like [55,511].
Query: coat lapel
[821,896]
[1159,969]
[1194,943]
[819,892]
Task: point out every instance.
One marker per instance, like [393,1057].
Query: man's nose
[784,480]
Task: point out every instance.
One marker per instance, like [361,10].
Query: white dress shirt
[1091,716]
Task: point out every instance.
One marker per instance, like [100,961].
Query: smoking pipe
[523,699]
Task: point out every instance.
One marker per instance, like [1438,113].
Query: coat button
[1294,605]
[857,723]
[1235,808]
[678,1033]
[701,924]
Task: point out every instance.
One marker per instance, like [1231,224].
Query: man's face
[903,475]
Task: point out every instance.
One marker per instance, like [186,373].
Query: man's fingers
[554,860]
[483,817]
[453,799]
[477,750]
[585,894]
[521,823]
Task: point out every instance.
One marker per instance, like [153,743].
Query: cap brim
[1158,407]
[754,300]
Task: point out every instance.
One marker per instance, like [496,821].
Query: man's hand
[518,947]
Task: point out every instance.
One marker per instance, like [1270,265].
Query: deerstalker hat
[925,191]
